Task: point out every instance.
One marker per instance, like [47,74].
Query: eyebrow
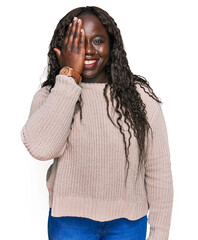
[99,35]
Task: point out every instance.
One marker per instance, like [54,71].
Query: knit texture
[87,176]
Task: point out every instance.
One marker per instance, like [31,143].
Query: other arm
[158,179]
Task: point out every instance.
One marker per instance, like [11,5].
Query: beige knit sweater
[87,175]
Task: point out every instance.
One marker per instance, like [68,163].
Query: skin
[78,45]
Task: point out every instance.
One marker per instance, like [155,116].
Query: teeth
[89,62]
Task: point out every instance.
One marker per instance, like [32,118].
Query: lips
[90,64]
[89,61]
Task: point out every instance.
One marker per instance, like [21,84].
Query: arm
[158,180]
[48,126]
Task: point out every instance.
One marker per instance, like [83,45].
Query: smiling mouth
[90,64]
[89,61]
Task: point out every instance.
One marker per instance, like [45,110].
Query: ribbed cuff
[156,234]
[62,81]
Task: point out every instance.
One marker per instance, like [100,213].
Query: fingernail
[75,18]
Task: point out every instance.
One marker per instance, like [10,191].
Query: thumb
[57,51]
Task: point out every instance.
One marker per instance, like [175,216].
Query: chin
[89,75]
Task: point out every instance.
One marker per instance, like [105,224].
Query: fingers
[77,33]
[57,51]
[82,40]
[74,38]
[71,34]
[67,35]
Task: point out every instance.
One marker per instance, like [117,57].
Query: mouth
[90,64]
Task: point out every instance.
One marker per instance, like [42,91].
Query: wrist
[70,72]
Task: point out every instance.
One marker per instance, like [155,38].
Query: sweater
[87,176]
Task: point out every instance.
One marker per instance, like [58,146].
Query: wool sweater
[87,176]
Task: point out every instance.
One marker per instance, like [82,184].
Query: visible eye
[97,42]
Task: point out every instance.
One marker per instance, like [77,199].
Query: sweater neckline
[92,85]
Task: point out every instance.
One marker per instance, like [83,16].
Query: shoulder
[39,98]
[40,95]
[150,103]
[43,91]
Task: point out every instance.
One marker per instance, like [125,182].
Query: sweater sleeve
[48,126]
[158,179]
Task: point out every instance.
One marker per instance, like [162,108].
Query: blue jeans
[80,228]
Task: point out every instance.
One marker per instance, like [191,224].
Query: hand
[72,53]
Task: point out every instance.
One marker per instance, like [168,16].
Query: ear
[57,51]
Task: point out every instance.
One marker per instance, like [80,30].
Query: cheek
[104,51]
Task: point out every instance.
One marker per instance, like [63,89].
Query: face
[96,47]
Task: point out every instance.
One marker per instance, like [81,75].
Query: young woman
[105,129]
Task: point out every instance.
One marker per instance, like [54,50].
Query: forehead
[92,25]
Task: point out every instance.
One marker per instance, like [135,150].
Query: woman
[105,130]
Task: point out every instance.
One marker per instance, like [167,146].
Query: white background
[160,38]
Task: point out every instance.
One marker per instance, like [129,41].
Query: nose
[89,48]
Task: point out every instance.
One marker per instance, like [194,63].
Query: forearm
[159,187]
